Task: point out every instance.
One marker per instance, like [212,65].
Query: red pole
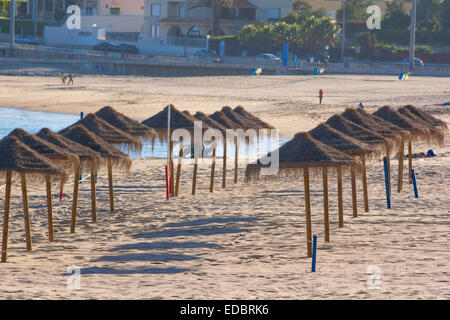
[167,184]
[61,193]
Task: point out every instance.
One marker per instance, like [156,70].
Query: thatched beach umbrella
[124,123]
[16,157]
[115,158]
[427,117]
[352,147]
[304,153]
[360,133]
[418,132]
[58,156]
[260,123]
[437,132]
[394,134]
[112,135]
[214,125]
[87,156]
[178,120]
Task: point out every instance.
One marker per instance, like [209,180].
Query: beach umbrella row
[355,134]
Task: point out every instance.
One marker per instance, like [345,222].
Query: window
[274,13]
[155,31]
[181,12]
[114,10]
[156,10]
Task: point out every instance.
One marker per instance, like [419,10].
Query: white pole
[412,42]
[12,27]
[343,31]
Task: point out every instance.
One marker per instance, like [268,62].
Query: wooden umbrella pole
[326,215]
[224,173]
[194,178]
[236,158]
[180,157]
[401,156]
[388,159]
[364,181]
[111,186]
[409,161]
[48,184]
[76,186]
[26,214]
[213,170]
[93,196]
[6,215]
[340,197]
[172,189]
[308,212]
[354,200]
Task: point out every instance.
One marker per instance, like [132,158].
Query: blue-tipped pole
[81,117]
[313,265]
[386,179]
[416,193]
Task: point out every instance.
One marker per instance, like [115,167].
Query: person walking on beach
[70,79]
[320,96]
[63,78]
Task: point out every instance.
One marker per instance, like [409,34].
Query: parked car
[127,48]
[268,58]
[27,40]
[104,46]
[417,62]
[207,54]
[319,57]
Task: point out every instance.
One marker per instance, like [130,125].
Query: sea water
[34,121]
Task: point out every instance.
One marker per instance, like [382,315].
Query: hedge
[26,25]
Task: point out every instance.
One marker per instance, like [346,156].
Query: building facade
[165,21]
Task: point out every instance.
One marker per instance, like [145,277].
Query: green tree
[318,32]
[355,10]
[217,7]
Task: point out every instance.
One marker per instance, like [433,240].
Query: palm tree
[217,6]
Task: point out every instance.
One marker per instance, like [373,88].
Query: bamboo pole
[111,186]
[401,156]
[180,157]
[48,184]
[409,161]
[236,158]
[340,198]
[213,171]
[224,173]
[354,200]
[308,212]
[93,196]
[364,181]
[326,215]
[76,186]
[172,189]
[26,214]
[6,215]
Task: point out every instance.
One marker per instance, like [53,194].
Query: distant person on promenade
[70,79]
[320,96]
[63,77]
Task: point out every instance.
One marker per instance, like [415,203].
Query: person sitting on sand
[361,105]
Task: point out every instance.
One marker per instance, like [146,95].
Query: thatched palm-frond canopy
[244,113]
[124,123]
[426,116]
[17,157]
[210,122]
[243,122]
[303,151]
[89,139]
[108,132]
[340,141]
[85,154]
[223,120]
[376,126]
[178,120]
[55,154]
[358,132]
[437,133]
[402,132]
[418,131]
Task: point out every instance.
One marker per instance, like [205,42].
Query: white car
[268,57]
[417,62]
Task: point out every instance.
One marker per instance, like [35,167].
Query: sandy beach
[246,241]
